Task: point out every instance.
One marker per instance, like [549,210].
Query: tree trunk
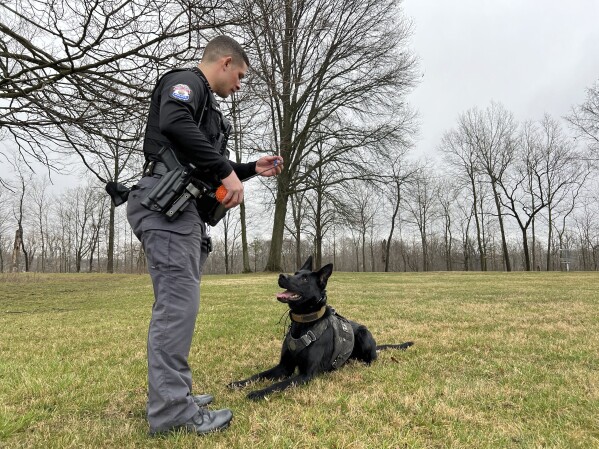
[226,232]
[372,258]
[286,132]
[1,257]
[506,256]
[298,243]
[364,251]
[527,265]
[110,258]
[244,240]
[276,243]
[318,229]
[549,236]
[43,242]
[447,236]
[390,237]
[424,251]
[16,250]
[479,236]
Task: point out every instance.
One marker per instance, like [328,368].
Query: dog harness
[343,343]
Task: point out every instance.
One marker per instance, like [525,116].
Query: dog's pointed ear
[324,273]
[307,265]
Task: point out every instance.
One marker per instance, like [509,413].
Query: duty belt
[152,168]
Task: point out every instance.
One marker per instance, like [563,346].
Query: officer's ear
[227,61]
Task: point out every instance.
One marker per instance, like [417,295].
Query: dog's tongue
[285,296]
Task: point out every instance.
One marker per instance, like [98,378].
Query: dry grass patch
[500,361]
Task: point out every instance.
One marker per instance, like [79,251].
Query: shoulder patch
[181,92]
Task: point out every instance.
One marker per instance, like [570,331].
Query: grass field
[501,360]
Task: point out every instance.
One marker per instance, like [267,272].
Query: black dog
[318,339]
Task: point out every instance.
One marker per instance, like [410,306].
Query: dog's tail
[402,346]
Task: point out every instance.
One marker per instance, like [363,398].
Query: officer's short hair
[225,46]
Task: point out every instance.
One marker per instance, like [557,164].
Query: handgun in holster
[175,190]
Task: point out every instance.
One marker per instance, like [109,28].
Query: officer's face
[231,78]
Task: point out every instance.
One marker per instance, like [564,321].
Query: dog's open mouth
[288,296]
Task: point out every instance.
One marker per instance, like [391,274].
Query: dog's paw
[236,385]
[256,396]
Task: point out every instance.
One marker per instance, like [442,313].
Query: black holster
[175,190]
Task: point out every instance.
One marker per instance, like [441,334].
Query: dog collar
[308,317]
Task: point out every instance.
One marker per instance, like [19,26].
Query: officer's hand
[234,196]
[274,163]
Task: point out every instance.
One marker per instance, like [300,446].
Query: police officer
[184,115]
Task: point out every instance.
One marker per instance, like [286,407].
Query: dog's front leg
[275,373]
[285,368]
[300,379]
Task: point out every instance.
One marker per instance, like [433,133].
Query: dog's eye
[305,278]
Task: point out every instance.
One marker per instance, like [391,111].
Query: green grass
[500,361]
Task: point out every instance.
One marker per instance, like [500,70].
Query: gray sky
[533,56]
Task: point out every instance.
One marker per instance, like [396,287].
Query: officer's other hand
[234,196]
[275,163]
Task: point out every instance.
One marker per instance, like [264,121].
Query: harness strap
[297,344]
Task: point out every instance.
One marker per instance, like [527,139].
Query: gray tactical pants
[176,252]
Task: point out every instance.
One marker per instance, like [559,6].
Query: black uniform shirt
[175,111]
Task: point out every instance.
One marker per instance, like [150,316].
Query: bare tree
[588,236]
[75,79]
[399,173]
[19,213]
[359,212]
[97,223]
[325,185]
[466,214]
[323,215]
[561,214]
[460,154]
[316,60]
[41,201]
[563,173]
[490,133]
[448,195]
[584,119]
[422,206]
[78,70]
[80,214]
[296,227]
[523,196]
[248,124]
[232,231]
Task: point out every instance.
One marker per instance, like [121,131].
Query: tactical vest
[209,119]
[343,343]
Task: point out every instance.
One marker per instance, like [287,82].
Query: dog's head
[305,290]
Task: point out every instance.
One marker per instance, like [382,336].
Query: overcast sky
[533,56]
